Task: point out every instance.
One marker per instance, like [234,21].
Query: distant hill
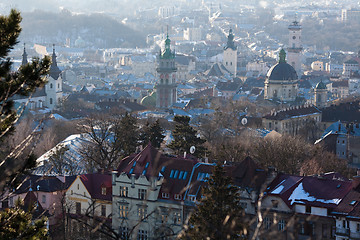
[96,30]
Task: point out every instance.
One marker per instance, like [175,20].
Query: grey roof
[54,69]
[217,70]
[320,85]
[282,71]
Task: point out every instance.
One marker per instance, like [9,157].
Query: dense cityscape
[180,120]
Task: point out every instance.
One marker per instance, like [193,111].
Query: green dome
[320,85]
[149,101]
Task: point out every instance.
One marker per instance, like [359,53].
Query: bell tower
[295,46]
[166,87]
[230,54]
[53,88]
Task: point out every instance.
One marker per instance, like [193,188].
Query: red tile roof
[309,190]
[94,183]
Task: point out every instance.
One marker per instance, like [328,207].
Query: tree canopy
[16,223]
[218,214]
[185,136]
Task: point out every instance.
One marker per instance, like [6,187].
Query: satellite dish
[244,121]
[192,149]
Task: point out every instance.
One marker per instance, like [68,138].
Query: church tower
[24,57]
[295,47]
[53,88]
[230,54]
[166,87]
[320,95]
[281,82]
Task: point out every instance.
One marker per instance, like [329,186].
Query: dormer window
[103,190]
[165,195]
[177,196]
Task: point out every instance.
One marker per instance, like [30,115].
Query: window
[78,186]
[103,190]
[267,222]
[78,207]
[192,198]
[165,195]
[142,235]
[308,209]
[103,210]
[177,218]
[302,228]
[358,227]
[51,86]
[142,194]
[124,191]
[176,173]
[58,85]
[142,212]
[177,196]
[181,174]
[124,233]
[281,225]
[185,174]
[172,173]
[51,101]
[43,200]
[124,210]
[164,217]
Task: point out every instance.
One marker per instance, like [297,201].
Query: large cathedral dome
[282,70]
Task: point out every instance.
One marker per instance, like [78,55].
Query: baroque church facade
[281,82]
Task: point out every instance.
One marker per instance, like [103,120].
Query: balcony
[343,231]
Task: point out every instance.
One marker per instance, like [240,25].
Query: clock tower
[295,47]
[166,87]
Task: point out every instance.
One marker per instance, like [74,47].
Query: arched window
[51,85]
[51,101]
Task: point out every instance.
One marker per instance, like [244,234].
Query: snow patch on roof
[299,195]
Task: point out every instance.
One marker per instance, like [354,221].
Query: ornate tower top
[24,55]
[54,69]
[230,42]
[295,25]
[167,53]
[282,56]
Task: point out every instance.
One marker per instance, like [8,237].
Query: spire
[24,59]
[54,70]
[167,52]
[230,42]
[282,56]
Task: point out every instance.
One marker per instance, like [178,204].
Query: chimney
[271,173]
[113,174]
[356,180]
[132,180]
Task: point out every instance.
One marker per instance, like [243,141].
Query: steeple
[230,42]
[167,54]
[54,70]
[282,56]
[24,59]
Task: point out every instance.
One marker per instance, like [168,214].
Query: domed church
[281,82]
